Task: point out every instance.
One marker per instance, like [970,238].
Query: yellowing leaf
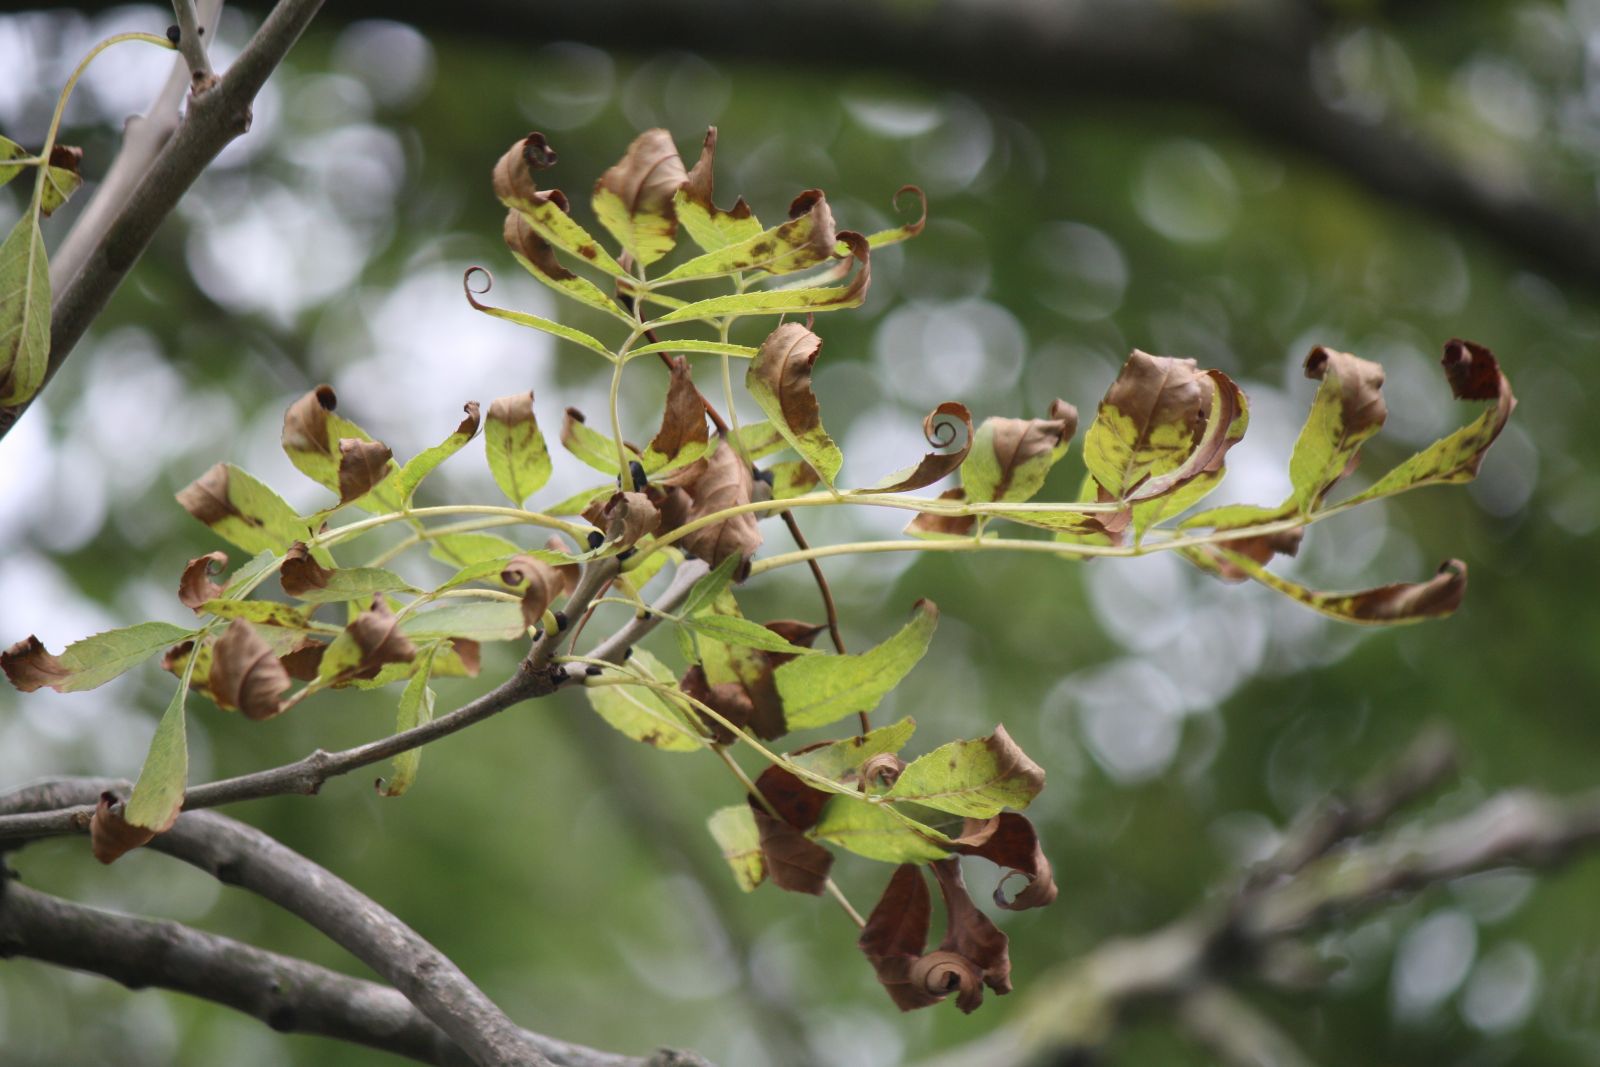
[978,778]
[642,713]
[1348,409]
[634,198]
[242,510]
[780,381]
[818,690]
[734,830]
[24,312]
[518,456]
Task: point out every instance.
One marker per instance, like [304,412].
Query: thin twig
[191,43]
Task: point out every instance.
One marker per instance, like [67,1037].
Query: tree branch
[236,854]
[191,44]
[214,118]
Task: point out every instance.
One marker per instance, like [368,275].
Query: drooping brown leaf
[544,584]
[780,380]
[634,198]
[514,171]
[300,573]
[896,934]
[196,586]
[1009,840]
[376,633]
[29,666]
[683,419]
[940,432]
[973,936]
[728,699]
[305,423]
[246,674]
[722,227]
[111,835]
[521,239]
[1149,424]
[794,861]
[362,465]
[1261,548]
[624,518]
[796,803]
[724,481]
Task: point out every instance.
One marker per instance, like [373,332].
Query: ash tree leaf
[158,794]
[111,835]
[794,862]
[464,549]
[88,663]
[624,519]
[519,460]
[241,510]
[871,830]
[974,952]
[1009,840]
[246,674]
[522,318]
[940,432]
[1205,468]
[790,797]
[896,935]
[456,657]
[705,592]
[977,778]
[489,620]
[1006,460]
[840,759]
[734,830]
[758,440]
[196,586]
[634,198]
[592,447]
[1473,374]
[426,462]
[642,713]
[339,455]
[709,226]
[61,178]
[541,583]
[733,630]
[791,478]
[546,211]
[740,680]
[723,481]
[262,612]
[683,437]
[779,379]
[355,583]
[1400,602]
[784,301]
[538,257]
[1347,410]
[907,231]
[694,344]
[10,150]
[818,690]
[416,708]
[24,312]
[807,239]
[373,639]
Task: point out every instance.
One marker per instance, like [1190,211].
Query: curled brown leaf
[624,518]
[699,184]
[729,699]
[376,633]
[1009,840]
[724,481]
[111,835]
[29,666]
[1362,407]
[796,803]
[683,419]
[206,498]
[895,935]
[794,861]
[972,935]
[196,586]
[940,432]
[647,175]
[513,172]
[545,582]
[246,674]
[362,465]
[300,573]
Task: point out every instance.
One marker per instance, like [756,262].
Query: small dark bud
[174,34]
[763,475]
[627,554]
[561,620]
[592,671]
[640,480]
[538,633]
[596,538]
[627,653]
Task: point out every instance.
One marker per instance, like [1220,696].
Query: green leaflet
[518,457]
[734,630]
[780,381]
[707,590]
[793,478]
[591,446]
[734,830]
[1010,458]
[357,583]
[818,690]
[842,757]
[534,322]
[977,779]
[645,237]
[574,287]
[1401,602]
[242,510]
[24,311]
[800,243]
[158,794]
[91,662]
[1347,410]
[642,713]
[265,612]
[710,227]
[487,620]
[760,439]
[689,344]
[579,501]
[416,708]
[59,184]
[426,462]
[465,549]
[768,302]
[9,150]
[561,230]
[873,831]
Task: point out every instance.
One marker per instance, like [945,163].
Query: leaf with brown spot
[805,240]
[337,454]
[242,510]
[723,482]
[801,298]
[196,586]
[372,640]
[427,461]
[709,226]
[246,674]
[1009,840]
[796,802]
[794,861]
[302,661]
[111,835]
[634,198]
[683,437]
[933,525]
[779,379]
[940,432]
[976,778]
[544,584]
[90,662]
[1347,410]
[728,699]
[538,257]
[362,465]
[1400,602]
[625,518]
[546,211]
[594,448]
